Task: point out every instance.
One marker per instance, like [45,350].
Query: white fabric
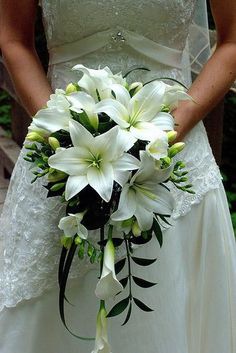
[199,252]
[194,300]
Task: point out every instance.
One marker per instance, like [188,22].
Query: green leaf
[142,282]
[158,232]
[142,261]
[128,314]
[124,281]
[119,307]
[120,265]
[141,305]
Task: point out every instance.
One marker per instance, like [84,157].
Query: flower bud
[136,229]
[57,186]
[78,240]
[66,241]
[56,175]
[71,88]
[171,135]
[35,136]
[54,143]
[135,87]
[176,148]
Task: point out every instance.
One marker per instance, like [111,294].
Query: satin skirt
[194,300]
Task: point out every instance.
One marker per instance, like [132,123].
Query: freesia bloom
[158,148]
[95,161]
[98,82]
[101,341]
[142,196]
[57,114]
[81,101]
[71,225]
[140,115]
[108,285]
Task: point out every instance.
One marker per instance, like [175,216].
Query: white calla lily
[108,285]
[174,94]
[135,115]
[71,225]
[57,114]
[143,196]
[95,161]
[101,341]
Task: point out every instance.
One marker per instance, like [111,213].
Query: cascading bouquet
[106,147]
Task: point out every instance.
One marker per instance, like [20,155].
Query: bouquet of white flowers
[107,147]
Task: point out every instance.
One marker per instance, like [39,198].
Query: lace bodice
[29,247]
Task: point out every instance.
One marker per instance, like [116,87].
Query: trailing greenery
[5,111]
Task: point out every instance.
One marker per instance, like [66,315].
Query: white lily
[142,196]
[57,114]
[98,81]
[71,225]
[174,94]
[101,341]
[95,161]
[81,101]
[139,115]
[108,285]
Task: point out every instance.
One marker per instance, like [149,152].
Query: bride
[195,299]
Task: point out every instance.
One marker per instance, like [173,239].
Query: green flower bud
[90,250]
[71,88]
[55,175]
[66,241]
[78,240]
[57,186]
[136,229]
[54,143]
[176,148]
[135,87]
[81,251]
[35,136]
[171,135]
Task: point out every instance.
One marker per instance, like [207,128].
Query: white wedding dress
[194,301]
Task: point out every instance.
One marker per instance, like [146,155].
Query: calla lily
[101,341]
[57,114]
[142,196]
[98,82]
[108,285]
[138,115]
[95,161]
[174,94]
[71,225]
[81,101]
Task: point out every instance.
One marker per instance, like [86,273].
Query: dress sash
[115,41]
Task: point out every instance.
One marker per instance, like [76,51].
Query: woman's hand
[217,75]
[17,20]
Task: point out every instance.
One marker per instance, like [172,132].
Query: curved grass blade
[128,314]
[142,261]
[119,307]
[63,282]
[135,69]
[142,282]
[141,305]
[61,268]
[166,78]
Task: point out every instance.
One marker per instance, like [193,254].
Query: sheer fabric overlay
[30,247]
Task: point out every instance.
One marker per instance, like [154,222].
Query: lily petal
[74,185]
[127,204]
[115,110]
[101,180]
[164,121]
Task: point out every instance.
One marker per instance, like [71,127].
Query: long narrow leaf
[142,282]
[63,283]
[119,307]
[142,261]
[141,305]
[128,314]
[120,265]
[158,232]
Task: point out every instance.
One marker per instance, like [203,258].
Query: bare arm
[17,19]
[217,75]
